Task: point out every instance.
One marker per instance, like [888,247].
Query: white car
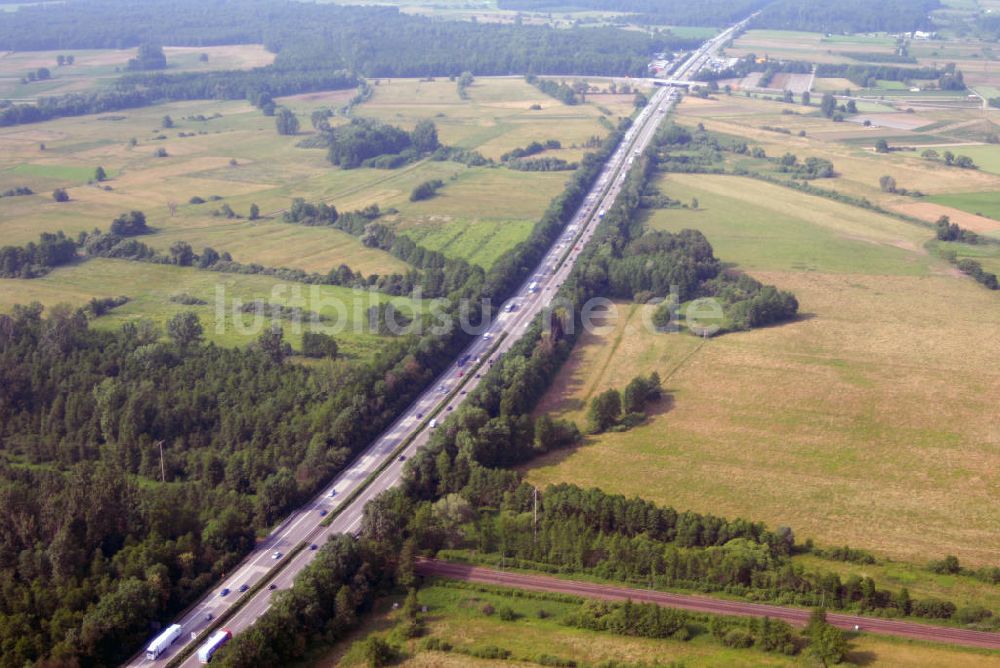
[276,555]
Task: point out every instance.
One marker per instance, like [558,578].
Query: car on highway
[208,616]
[402,458]
[487,336]
[322,513]
[244,587]
[272,587]
[314,546]
[333,492]
[224,592]
[420,416]
[276,555]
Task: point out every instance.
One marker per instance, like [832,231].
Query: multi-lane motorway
[385,459]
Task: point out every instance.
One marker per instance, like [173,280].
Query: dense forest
[318,47]
[375,41]
[717,13]
[848,16]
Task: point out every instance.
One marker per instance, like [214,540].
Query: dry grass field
[868,422]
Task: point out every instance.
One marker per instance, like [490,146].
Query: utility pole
[163,470]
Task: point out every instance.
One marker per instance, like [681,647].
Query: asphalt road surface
[795,616]
[445,394]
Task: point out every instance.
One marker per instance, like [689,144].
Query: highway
[304,526]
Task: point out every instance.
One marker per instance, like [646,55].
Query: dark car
[224,592]
[272,587]
[402,458]
[322,513]
[244,587]
[314,546]
[420,416]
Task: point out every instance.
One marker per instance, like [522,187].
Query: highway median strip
[219,621]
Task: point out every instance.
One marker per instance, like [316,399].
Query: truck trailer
[212,645]
[163,641]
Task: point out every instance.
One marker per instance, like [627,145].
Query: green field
[455,615]
[978,203]
[228,153]
[820,424]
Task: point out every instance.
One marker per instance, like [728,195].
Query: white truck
[212,645]
[163,641]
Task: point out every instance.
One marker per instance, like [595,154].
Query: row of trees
[867,76]
[559,90]
[258,85]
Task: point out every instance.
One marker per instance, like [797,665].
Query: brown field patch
[931,212]
[823,425]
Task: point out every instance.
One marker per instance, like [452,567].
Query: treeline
[559,90]
[258,86]
[36,259]
[849,16]
[867,76]
[546,164]
[534,148]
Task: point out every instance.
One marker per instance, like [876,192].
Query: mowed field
[850,147]
[228,153]
[808,46]
[96,68]
[869,422]
[455,615]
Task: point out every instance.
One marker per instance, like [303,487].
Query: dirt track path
[796,616]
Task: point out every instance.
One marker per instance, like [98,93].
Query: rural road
[704,604]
